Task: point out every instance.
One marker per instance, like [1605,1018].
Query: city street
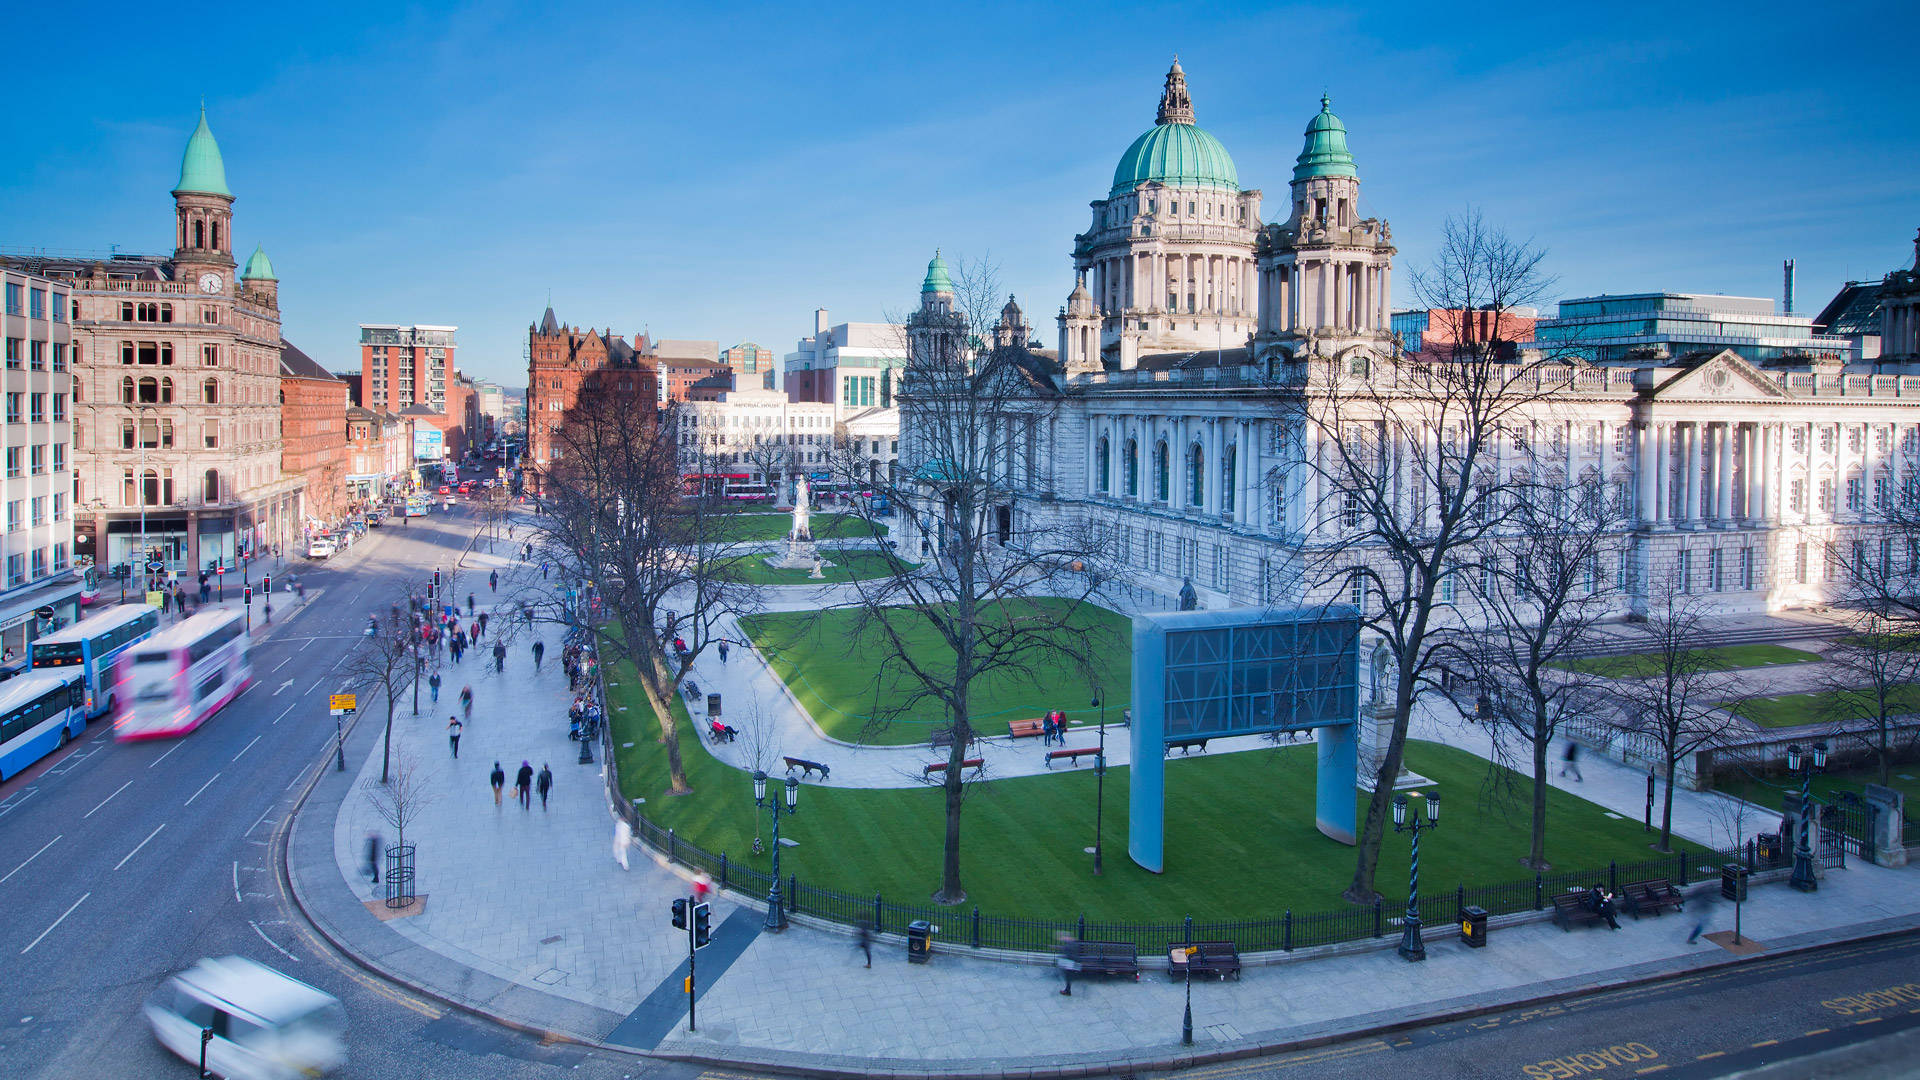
[126,862]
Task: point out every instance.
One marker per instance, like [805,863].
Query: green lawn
[849,564]
[748,527]
[1726,658]
[1240,838]
[834,666]
[1823,707]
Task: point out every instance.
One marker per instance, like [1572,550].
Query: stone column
[1690,483]
[1643,474]
[1754,470]
[1723,474]
[1210,468]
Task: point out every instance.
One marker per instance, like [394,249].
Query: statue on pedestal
[802,512]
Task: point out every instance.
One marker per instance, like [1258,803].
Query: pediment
[1725,376]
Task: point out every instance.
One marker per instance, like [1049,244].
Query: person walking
[469,605]
[493,580]
[166,601]
[523,784]
[622,840]
[863,940]
[466,702]
[539,650]
[498,778]
[544,783]
[543,570]
[180,598]
[453,735]
[499,656]
[433,687]
[1702,912]
[1570,761]
[723,652]
[483,622]
[372,865]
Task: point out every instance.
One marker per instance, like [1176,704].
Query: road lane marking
[56,922]
[137,847]
[1711,1054]
[248,747]
[282,663]
[15,801]
[163,757]
[236,882]
[283,687]
[1869,1020]
[1819,1031]
[270,941]
[1765,1042]
[283,714]
[203,787]
[106,800]
[30,858]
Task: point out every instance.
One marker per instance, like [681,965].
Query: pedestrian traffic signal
[680,914]
[249,596]
[702,925]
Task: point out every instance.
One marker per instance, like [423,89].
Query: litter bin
[1733,882]
[1768,849]
[1473,926]
[713,705]
[919,941]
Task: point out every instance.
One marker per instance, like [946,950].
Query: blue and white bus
[92,644]
[39,712]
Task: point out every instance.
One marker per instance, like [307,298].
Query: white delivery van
[265,1025]
[321,547]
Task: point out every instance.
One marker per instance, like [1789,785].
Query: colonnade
[1699,473]
[1218,437]
[1343,294]
[1186,283]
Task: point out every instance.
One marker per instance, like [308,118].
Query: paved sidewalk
[529,919]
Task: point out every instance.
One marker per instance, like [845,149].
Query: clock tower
[203,216]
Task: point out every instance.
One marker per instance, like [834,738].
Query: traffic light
[680,914]
[266,585]
[249,595]
[702,925]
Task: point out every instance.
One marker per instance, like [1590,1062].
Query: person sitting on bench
[1600,902]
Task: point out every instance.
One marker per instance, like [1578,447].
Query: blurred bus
[92,645]
[39,712]
[173,681]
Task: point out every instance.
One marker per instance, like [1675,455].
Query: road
[121,863]
[1856,1005]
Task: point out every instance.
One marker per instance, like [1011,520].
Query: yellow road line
[1819,1031]
[1766,1042]
[1649,1069]
[1869,1020]
[1711,1054]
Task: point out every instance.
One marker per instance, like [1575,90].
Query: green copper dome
[201,169]
[1181,154]
[259,267]
[938,280]
[1325,152]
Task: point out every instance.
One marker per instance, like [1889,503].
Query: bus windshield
[56,654]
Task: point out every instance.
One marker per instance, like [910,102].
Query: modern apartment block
[39,586]
[405,365]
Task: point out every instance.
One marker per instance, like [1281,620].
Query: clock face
[209,283]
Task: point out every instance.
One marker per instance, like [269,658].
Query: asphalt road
[121,863]
[1847,1011]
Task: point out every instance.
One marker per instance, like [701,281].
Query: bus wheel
[66,736]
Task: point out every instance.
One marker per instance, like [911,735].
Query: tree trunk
[1537,850]
[1373,830]
[662,705]
[1666,810]
[386,745]
[950,890]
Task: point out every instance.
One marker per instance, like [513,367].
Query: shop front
[32,611]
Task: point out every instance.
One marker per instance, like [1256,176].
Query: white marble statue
[802,529]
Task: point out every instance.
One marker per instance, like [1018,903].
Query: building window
[13,407]
[210,391]
[1882,492]
[59,356]
[1131,466]
[1800,563]
[39,510]
[59,506]
[1714,582]
[1160,470]
[16,569]
[1856,493]
[36,356]
[1102,468]
[1196,476]
[1797,496]
[1826,497]
[37,408]
[210,486]
[13,516]
[59,408]
[39,562]
[1855,439]
[59,457]
[1228,462]
[1684,571]
[14,345]
[59,556]
[37,459]
[13,462]
[1826,440]
[210,356]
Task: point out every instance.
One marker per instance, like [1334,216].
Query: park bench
[973,763]
[943,738]
[1185,745]
[1217,958]
[807,768]
[1571,907]
[690,690]
[1074,755]
[1104,957]
[1026,729]
[1655,895]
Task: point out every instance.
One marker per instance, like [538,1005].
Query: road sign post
[340,705]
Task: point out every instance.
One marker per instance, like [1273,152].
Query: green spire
[1325,152]
[201,169]
[259,267]
[938,280]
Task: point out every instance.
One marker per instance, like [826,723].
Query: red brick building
[406,365]
[563,362]
[313,432]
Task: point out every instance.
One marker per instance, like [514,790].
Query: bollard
[1286,931]
[976,926]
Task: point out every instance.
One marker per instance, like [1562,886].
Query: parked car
[265,1025]
[321,547]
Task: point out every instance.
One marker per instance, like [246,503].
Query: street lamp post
[1805,764]
[776,911]
[1099,782]
[1411,946]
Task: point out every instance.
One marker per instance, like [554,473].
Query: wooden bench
[1184,745]
[1571,907]
[943,738]
[1217,958]
[1104,958]
[1073,755]
[932,767]
[690,690]
[1026,729]
[807,768]
[1655,896]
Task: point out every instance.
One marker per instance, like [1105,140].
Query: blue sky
[721,173]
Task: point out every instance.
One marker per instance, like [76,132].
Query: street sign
[156,565]
[341,704]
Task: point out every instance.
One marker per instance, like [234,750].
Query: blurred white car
[264,1025]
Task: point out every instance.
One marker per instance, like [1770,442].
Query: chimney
[819,320]
[1786,272]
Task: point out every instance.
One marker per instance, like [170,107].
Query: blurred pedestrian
[499,656]
[498,778]
[863,940]
[453,735]
[543,571]
[723,652]
[1570,761]
[493,580]
[372,865]
[523,784]
[166,601]
[469,604]
[1702,913]
[466,701]
[483,622]
[544,783]
[433,687]
[622,840]
[539,650]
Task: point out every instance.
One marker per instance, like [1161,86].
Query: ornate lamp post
[776,911]
[1805,764]
[1411,946]
[1099,782]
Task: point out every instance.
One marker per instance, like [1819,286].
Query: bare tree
[1414,458]
[1684,700]
[625,537]
[403,797]
[1872,673]
[1002,593]
[387,662]
[1539,593]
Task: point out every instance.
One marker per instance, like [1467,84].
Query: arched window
[149,391]
[166,391]
[1228,462]
[216,236]
[1132,468]
[126,390]
[1102,470]
[210,490]
[199,234]
[1160,470]
[150,488]
[1196,475]
[210,391]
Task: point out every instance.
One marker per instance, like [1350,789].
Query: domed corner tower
[1326,273]
[203,215]
[1168,263]
[257,281]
